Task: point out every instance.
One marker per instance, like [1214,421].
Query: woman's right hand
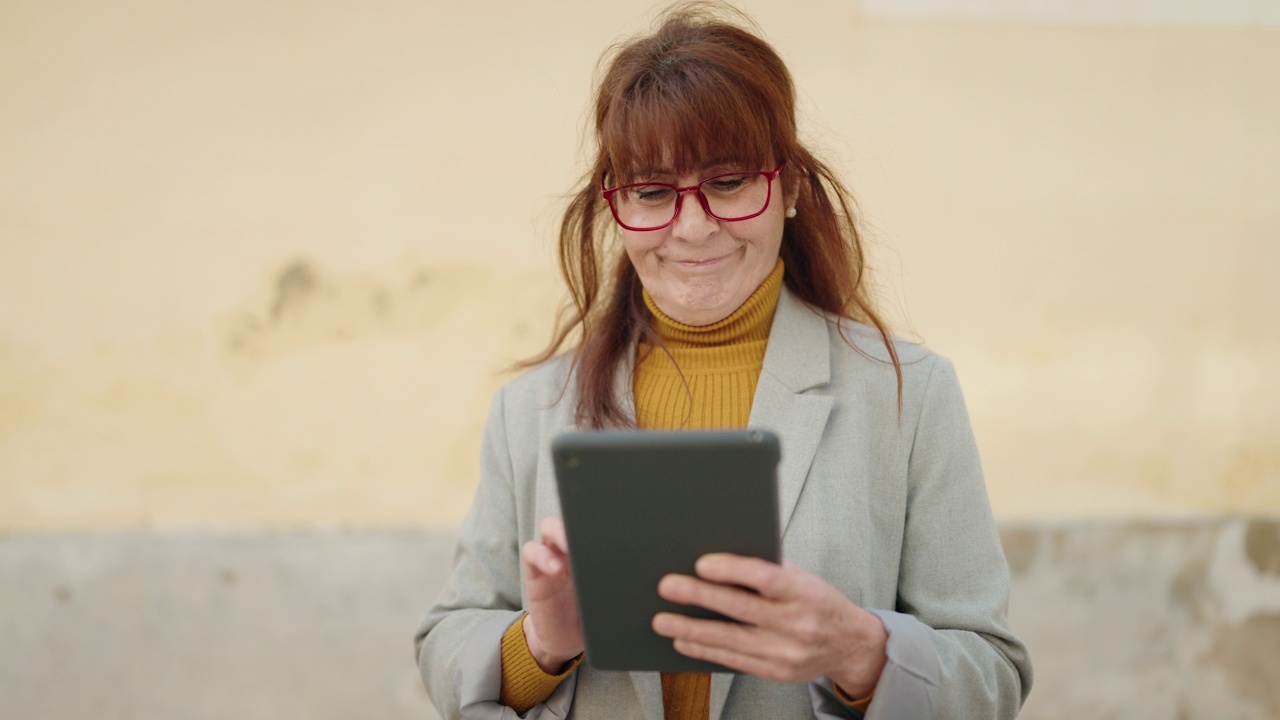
[551,627]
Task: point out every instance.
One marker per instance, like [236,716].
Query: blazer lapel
[720,684]
[649,692]
[797,359]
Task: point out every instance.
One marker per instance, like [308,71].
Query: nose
[692,223]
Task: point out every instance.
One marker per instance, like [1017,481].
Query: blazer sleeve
[950,652]
[458,644]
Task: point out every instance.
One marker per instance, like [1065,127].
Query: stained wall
[262,265]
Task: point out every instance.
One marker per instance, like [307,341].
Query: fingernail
[668,584]
[662,624]
[706,562]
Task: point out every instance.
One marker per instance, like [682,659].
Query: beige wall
[261,265]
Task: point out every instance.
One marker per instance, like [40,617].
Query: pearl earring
[791,212]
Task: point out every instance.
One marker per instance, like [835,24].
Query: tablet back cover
[638,505]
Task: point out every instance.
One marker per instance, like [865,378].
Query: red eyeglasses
[739,195]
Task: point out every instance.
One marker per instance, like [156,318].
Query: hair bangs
[684,123]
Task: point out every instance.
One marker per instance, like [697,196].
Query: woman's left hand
[794,628]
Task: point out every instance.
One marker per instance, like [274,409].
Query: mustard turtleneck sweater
[700,378]
[706,377]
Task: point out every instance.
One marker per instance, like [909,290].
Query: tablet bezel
[638,505]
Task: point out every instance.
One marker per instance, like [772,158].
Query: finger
[712,633]
[541,559]
[741,662]
[744,648]
[741,647]
[551,530]
[742,605]
[774,581]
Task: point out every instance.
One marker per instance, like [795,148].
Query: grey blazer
[892,511]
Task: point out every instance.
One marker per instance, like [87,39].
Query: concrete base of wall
[152,626]
[1167,621]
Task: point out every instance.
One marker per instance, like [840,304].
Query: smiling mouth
[703,263]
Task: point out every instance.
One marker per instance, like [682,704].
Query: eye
[649,194]
[727,184]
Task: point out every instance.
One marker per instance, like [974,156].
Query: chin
[702,297]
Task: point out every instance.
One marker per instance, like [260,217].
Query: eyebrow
[705,168]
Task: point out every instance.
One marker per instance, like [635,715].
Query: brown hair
[699,89]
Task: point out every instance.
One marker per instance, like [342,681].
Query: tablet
[638,505]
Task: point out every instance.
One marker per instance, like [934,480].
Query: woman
[737,299]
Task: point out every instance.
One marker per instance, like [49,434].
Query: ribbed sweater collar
[749,323]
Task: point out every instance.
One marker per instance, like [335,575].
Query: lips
[700,262]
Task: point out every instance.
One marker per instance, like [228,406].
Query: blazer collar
[789,398]
[798,356]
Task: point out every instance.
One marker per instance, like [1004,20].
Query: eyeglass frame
[608,193]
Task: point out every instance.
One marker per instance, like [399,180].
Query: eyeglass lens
[730,197]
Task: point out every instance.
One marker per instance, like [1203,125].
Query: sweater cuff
[524,683]
[859,704]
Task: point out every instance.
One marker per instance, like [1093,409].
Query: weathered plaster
[251,267]
[1146,619]
[1262,544]
[1132,620]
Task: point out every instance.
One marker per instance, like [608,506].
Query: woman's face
[698,270]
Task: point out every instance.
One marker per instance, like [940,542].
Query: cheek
[767,237]
[640,247]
